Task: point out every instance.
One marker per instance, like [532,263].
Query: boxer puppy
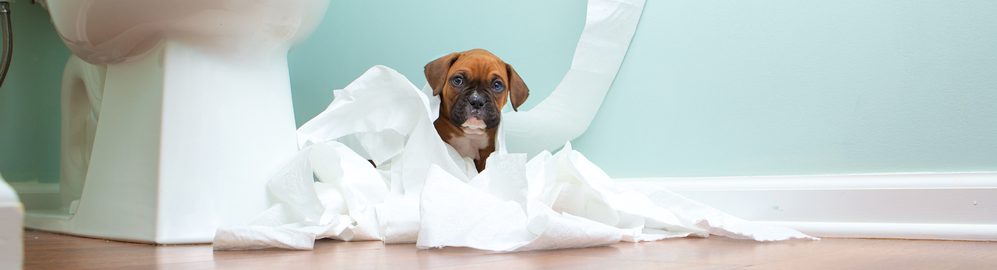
[473,86]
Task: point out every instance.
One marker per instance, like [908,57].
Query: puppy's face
[473,87]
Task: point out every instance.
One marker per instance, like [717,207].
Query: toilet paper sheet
[423,192]
[567,112]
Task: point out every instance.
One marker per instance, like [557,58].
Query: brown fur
[476,64]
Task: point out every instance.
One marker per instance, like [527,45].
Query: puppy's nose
[476,100]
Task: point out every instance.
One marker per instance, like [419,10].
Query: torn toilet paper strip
[566,113]
[423,192]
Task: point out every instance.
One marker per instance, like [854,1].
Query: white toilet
[175,113]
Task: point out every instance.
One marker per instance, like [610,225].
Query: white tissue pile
[423,192]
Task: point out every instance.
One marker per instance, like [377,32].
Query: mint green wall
[708,87]
[29,99]
[803,87]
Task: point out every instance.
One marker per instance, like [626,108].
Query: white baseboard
[949,206]
[934,231]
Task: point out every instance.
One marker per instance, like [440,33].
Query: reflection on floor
[52,251]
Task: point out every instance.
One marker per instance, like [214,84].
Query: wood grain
[52,251]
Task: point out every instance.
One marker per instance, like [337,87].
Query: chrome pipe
[8,40]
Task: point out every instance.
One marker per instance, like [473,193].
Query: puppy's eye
[497,86]
[457,81]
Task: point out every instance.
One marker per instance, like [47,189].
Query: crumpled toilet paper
[423,192]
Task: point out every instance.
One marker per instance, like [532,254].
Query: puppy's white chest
[468,145]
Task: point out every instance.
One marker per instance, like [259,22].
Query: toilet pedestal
[185,142]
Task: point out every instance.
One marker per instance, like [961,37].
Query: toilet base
[185,141]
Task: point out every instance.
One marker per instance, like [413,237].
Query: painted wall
[29,99]
[708,88]
[803,87]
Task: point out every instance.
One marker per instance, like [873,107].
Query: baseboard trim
[923,180]
[966,232]
[944,206]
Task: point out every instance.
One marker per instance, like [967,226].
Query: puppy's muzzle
[475,104]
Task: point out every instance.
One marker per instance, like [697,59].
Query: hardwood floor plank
[52,251]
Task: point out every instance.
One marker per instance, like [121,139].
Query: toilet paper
[564,115]
[423,192]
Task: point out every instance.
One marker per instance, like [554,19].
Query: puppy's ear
[436,72]
[518,92]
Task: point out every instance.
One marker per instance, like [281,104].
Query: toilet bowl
[175,113]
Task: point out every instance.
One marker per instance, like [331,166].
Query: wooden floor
[52,251]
